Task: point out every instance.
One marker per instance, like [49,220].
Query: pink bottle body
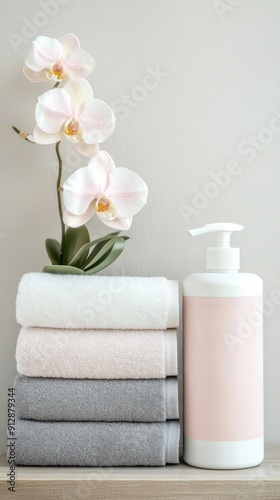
[223,370]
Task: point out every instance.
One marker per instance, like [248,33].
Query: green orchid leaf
[113,255]
[53,250]
[75,238]
[93,253]
[115,233]
[101,259]
[62,270]
[83,252]
[108,246]
[98,248]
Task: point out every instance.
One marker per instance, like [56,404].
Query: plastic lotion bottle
[223,360]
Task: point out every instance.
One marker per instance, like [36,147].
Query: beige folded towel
[97,354]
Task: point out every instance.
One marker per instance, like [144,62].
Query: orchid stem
[59,202]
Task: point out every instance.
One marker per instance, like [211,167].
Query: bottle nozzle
[221,256]
[224,230]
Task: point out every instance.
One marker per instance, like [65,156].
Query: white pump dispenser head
[222,256]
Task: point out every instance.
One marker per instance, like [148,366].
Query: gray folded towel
[98,444]
[96,400]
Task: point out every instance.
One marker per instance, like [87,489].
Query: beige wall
[217,84]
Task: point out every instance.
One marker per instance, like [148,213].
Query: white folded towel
[97,354]
[102,302]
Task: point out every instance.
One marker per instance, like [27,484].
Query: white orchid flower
[114,194]
[73,113]
[56,60]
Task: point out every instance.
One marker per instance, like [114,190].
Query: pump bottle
[223,359]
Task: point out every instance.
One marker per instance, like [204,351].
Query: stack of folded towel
[97,363]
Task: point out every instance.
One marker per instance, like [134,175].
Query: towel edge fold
[172,442]
[171,399]
[171,365]
[172,320]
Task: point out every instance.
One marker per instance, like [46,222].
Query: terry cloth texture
[96,400]
[93,354]
[101,302]
[98,444]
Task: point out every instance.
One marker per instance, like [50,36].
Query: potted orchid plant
[68,111]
